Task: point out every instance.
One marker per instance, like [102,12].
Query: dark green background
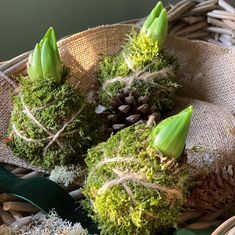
[23,22]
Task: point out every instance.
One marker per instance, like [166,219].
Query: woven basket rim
[93,29]
[130,25]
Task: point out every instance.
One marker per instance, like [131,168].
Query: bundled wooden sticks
[208,20]
[14,66]
[16,212]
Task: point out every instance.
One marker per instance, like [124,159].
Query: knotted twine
[52,137]
[124,176]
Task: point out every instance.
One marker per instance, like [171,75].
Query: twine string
[136,202]
[19,134]
[124,177]
[52,137]
[142,74]
[58,134]
[28,113]
[130,194]
[113,160]
[22,136]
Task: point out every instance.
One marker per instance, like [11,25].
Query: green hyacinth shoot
[156,25]
[169,136]
[44,62]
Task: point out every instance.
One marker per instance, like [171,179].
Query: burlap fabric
[211,137]
[206,73]
[6,155]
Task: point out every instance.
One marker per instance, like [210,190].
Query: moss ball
[139,53]
[41,111]
[132,188]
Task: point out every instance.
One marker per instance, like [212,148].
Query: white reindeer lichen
[52,225]
[66,175]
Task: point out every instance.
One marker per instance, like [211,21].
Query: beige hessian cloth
[206,73]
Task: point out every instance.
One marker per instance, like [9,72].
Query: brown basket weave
[206,74]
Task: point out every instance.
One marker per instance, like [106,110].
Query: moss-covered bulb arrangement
[140,80]
[137,180]
[51,122]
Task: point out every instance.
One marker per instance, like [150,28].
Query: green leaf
[51,66]
[154,14]
[41,192]
[44,63]
[186,231]
[45,195]
[169,136]
[35,66]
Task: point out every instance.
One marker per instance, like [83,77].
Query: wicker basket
[210,21]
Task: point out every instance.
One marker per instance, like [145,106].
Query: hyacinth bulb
[169,136]
[44,62]
[156,25]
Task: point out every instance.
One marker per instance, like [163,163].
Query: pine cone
[129,108]
[213,190]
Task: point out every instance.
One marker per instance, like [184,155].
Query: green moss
[145,209]
[140,51]
[112,66]
[164,60]
[52,105]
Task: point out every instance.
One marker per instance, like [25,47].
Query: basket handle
[11,81]
[12,67]
[225,227]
